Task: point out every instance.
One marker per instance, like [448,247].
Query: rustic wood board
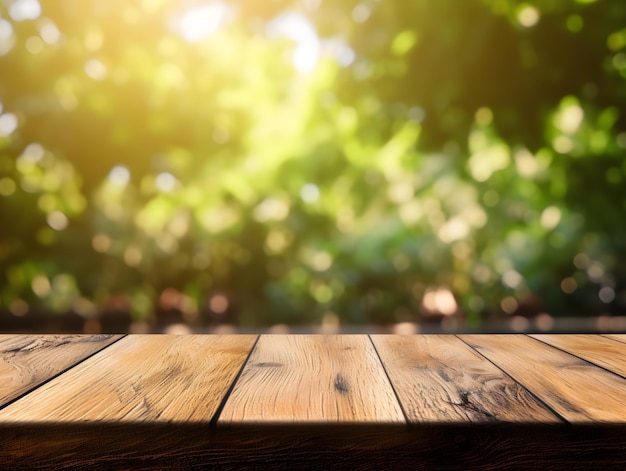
[312,379]
[577,390]
[26,361]
[439,379]
[618,337]
[150,446]
[605,352]
[141,378]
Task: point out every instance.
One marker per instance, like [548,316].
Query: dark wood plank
[26,361]
[579,391]
[439,379]
[135,446]
[153,378]
[312,379]
[603,351]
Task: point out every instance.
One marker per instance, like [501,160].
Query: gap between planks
[580,391]
[61,372]
[393,387]
[522,385]
[285,383]
[588,358]
[220,407]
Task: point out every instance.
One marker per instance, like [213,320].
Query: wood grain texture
[26,361]
[439,379]
[618,337]
[141,378]
[312,379]
[188,446]
[579,391]
[602,351]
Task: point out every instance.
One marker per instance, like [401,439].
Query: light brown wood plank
[312,379]
[618,337]
[26,361]
[605,352]
[578,391]
[141,378]
[439,379]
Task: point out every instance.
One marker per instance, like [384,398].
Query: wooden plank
[605,352]
[26,361]
[439,379]
[312,379]
[141,378]
[150,446]
[578,391]
[618,337]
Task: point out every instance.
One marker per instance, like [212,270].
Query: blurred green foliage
[291,161]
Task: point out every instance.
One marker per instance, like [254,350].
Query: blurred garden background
[413,165]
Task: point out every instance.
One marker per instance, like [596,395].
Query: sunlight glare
[299,29]
[201,22]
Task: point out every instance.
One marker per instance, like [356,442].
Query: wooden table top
[264,400]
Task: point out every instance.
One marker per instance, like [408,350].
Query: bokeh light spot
[361,13]
[165,182]
[34,45]
[568,285]
[483,116]
[57,220]
[95,69]
[509,305]
[271,209]
[606,294]
[582,261]
[41,286]
[49,32]
[440,300]
[23,10]
[8,124]
[6,30]
[544,322]
[550,217]
[119,175]
[512,279]
[7,186]
[310,193]
[19,308]
[528,16]
[574,23]
[101,243]
[218,303]
[133,256]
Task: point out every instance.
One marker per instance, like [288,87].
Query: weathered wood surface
[312,379]
[318,402]
[439,379]
[578,391]
[607,353]
[28,361]
[618,337]
[158,378]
